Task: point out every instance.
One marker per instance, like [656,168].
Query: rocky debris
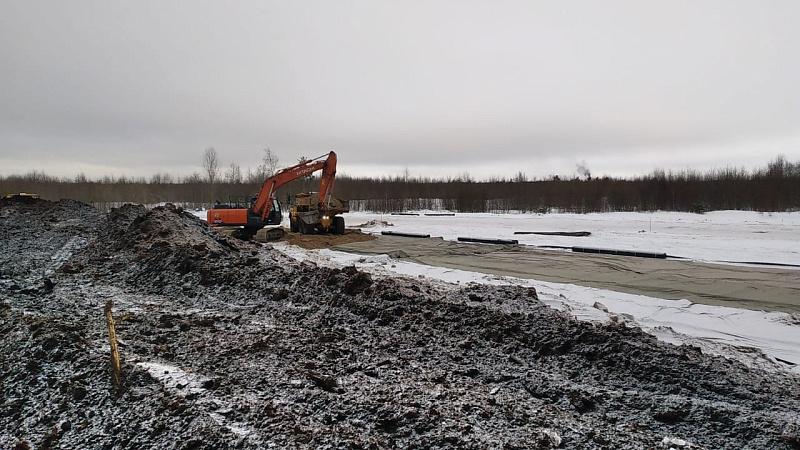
[228,344]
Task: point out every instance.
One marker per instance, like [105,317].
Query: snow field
[716,236]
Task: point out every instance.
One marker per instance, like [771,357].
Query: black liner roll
[557,233]
[610,251]
[404,214]
[439,214]
[489,241]
[411,235]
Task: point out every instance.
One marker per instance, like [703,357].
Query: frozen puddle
[184,383]
[770,340]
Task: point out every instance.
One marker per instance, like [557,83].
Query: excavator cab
[275,216]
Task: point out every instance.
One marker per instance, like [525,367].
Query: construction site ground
[760,288]
[317,241]
[230,344]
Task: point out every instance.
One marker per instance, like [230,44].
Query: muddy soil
[227,344]
[37,236]
[315,241]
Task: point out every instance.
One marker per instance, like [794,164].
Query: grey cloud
[439,86]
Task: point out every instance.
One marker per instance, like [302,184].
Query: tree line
[773,187]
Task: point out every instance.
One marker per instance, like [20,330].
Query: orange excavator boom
[311,212]
[264,200]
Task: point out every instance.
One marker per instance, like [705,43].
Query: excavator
[310,213]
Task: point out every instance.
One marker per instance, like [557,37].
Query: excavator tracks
[269,234]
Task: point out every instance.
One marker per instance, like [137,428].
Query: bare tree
[211,164]
[304,181]
[269,164]
[234,174]
[252,177]
[194,178]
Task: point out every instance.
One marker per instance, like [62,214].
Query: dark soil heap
[262,351]
[37,236]
[164,250]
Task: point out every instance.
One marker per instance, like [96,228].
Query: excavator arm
[249,222]
[263,203]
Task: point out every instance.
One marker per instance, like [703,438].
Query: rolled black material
[557,233]
[488,241]
[440,214]
[411,235]
[610,251]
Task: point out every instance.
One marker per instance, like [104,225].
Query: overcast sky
[438,87]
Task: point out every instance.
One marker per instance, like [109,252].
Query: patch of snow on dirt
[174,379]
[58,259]
[183,383]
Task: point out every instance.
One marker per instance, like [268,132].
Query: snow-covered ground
[753,337]
[742,236]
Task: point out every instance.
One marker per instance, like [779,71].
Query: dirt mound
[134,226]
[120,219]
[37,236]
[163,250]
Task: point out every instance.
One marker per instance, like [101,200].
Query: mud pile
[225,344]
[37,236]
[166,250]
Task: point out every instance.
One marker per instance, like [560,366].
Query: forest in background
[774,187]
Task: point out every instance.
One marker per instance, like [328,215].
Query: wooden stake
[112,339]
